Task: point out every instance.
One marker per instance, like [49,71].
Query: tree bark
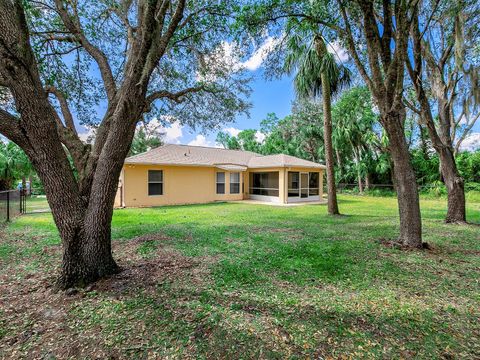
[405,182]
[87,255]
[441,137]
[327,128]
[456,212]
[360,183]
[456,209]
[367,181]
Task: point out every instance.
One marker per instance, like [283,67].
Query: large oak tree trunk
[456,209]
[327,128]
[406,185]
[87,256]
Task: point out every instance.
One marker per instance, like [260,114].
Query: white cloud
[88,136]
[229,53]
[173,133]
[471,142]
[260,54]
[201,140]
[260,137]
[232,131]
[340,53]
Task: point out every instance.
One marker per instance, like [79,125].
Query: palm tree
[317,75]
[353,134]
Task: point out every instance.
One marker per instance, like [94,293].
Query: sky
[267,96]
[274,96]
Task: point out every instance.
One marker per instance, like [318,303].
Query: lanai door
[303,186]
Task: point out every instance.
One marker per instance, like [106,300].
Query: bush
[435,190]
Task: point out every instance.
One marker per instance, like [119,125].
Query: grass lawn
[248,281]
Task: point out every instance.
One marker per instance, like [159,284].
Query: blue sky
[267,96]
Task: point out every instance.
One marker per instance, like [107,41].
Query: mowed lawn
[242,281]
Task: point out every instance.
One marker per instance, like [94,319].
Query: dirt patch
[37,322]
[165,265]
[149,238]
[394,244]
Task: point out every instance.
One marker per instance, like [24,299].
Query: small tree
[147,136]
[14,165]
[355,132]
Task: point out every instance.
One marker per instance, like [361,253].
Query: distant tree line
[360,144]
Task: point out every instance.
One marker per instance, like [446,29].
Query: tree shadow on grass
[221,290]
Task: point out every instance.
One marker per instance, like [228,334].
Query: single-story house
[182,174]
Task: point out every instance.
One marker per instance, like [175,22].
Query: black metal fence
[12,203]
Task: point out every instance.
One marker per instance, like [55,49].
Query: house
[181,174]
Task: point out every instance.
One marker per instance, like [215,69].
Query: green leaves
[14,165]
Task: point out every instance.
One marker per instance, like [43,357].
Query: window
[220,183]
[314,184]
[265,183]
[155,182]
[235,183]
[293,183]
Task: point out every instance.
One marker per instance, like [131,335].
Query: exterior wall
[181,185]
[192,185]
[120,193]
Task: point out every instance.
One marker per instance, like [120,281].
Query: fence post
[20,193]
[8,205]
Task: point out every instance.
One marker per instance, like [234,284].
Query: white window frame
[235,182]
[155,182]
[219,182]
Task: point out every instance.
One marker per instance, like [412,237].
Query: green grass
[236,280]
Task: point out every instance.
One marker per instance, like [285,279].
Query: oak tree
[66,60]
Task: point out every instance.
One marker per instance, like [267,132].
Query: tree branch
[352,48]
[73,25]
[160,45]
[466,131]
[66,113]
[177,97]
[10,127]
[412,107]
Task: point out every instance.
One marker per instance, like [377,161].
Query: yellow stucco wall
[190,185]
[181,185]
[119,195]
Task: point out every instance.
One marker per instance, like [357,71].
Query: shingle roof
[281,160]
[171,154]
